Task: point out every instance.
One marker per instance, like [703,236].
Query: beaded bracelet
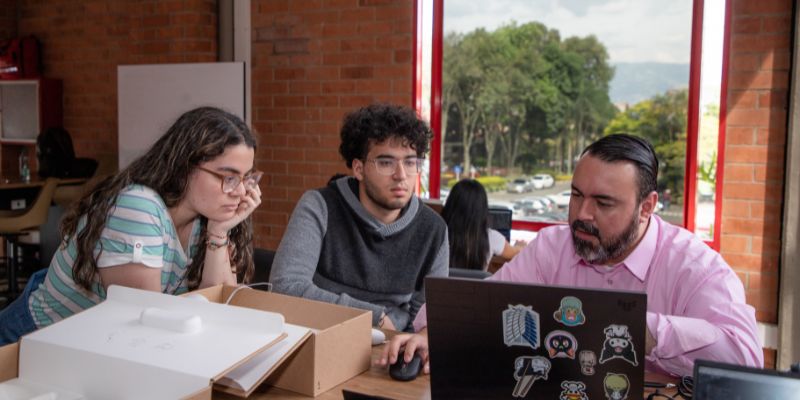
[214,245]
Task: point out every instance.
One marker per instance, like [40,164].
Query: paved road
[511,197]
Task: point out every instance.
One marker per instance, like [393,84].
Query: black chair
[262,258]
[500,220]
[469,273]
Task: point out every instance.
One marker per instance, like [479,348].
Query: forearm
[682,340]
[217,268]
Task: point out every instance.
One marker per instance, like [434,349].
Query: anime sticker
[618,344]
[561,344]
[570,313]
[521,326]
[587,359]
[573,390]
[616,386]
[527,370]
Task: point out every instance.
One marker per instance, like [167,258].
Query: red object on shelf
[19,58]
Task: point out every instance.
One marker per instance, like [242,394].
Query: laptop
[720,381]
[500,220]
[491,339]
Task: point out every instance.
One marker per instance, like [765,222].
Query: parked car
[561,199]
[530,206]
[519,185]
[542,181]
[549,204]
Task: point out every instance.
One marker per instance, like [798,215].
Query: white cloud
[632,30]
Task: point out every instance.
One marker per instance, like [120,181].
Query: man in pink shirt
[695,303]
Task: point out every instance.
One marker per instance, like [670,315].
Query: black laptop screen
[717,381]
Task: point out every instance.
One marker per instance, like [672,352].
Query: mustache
[586,227]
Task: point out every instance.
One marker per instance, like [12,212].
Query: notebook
[491,339]
[719,381]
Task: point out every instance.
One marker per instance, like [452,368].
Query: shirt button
[138,245]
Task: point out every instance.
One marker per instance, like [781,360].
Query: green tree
[522,90]
[661,120]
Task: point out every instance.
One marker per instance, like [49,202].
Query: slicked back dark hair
[622,147]
[378,123]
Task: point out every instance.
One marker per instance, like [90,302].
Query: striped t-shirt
[140,230]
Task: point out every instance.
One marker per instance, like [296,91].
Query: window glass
[709,111]
[526,85]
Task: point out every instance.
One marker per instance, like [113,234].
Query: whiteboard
[152,97]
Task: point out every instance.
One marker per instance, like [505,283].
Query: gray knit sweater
[335,251]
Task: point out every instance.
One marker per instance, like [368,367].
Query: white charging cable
[248,286]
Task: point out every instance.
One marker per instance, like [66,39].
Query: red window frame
[693,112]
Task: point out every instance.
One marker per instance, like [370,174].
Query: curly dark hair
[377,123]
[198,136]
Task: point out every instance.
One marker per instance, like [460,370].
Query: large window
[515,89]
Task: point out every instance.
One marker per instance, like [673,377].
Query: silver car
[519,185]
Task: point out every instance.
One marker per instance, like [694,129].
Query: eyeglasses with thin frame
[231,181]
[387,166]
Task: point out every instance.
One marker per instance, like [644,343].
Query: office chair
[66,195]
[16,223]
[469,273]
[262,258]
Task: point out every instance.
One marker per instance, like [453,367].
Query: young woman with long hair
[472,242]
[176,219]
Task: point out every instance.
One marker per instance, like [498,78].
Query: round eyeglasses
[231,181]
[387,166]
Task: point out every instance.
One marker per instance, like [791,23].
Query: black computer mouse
[405,371]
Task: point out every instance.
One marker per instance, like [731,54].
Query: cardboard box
[337,351]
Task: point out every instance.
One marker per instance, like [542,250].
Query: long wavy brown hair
[198,136]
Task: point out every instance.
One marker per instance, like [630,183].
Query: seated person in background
[366,241]
[176,219]
[472,242]
[695,306]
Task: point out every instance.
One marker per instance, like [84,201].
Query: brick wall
[8,19]
[758,83]
[312,62]
[83,42]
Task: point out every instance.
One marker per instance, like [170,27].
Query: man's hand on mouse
[410,343]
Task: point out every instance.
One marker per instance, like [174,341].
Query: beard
[607,249]
[390,204]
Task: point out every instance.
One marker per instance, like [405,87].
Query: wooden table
[376,382]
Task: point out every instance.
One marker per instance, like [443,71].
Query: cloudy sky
[632,30]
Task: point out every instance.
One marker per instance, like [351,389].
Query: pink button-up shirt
[695,303]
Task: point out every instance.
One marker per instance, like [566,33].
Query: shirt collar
[638,262]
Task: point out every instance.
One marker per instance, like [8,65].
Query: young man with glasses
[366,241]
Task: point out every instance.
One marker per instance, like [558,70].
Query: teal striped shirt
[139,230]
